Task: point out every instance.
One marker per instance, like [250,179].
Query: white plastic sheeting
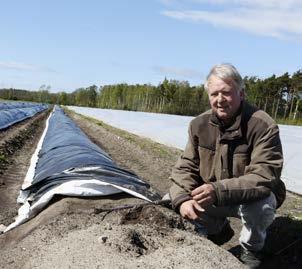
[171,130]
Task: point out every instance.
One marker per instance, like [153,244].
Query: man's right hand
[189,209]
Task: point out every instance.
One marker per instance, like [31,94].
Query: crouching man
[231,166]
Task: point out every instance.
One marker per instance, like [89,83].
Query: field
[87,233]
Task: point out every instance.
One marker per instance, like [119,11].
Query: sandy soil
[79,233]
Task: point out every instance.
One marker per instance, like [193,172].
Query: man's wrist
[176,203]
[216,199]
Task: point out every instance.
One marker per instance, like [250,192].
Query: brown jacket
[243,161]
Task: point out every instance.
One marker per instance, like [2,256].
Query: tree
[63,98]
[297,92]
[92,95]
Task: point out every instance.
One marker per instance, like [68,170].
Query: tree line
[279,96]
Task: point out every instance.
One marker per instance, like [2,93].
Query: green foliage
[172,97]
[279,96]
[289,121]
[41,96]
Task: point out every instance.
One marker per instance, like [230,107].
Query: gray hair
[226,72]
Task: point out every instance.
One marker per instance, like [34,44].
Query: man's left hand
[205,195]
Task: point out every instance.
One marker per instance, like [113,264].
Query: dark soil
[17,145]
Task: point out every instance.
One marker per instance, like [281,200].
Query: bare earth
[78,233]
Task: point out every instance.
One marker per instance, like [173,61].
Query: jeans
[255,217]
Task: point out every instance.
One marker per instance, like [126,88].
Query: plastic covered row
[11,116]
[12,105]
[67,163]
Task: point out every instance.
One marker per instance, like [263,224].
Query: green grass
[289,121]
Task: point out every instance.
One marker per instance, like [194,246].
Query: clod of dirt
[137,241]
[152,215]
[103,238]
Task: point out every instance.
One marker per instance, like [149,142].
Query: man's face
[224,98]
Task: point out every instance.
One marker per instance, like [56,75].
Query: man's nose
[220,97]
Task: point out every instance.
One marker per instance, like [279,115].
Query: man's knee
[260,213]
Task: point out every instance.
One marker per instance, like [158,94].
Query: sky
[71,44]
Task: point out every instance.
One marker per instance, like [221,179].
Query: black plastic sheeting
[11,113]
[11,105]
[66,154]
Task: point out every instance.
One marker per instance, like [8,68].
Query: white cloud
[179,72]
[275,4]
[281,19]
[24,67]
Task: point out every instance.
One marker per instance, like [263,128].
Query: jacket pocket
[206,157]
[240,161]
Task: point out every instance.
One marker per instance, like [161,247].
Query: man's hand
[189,209]
[204,195]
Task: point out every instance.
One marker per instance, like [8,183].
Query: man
[231,166]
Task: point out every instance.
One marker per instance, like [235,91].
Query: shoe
[252,259]
[223,236]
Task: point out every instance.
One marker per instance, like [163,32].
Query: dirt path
[17,144]
[74,233]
